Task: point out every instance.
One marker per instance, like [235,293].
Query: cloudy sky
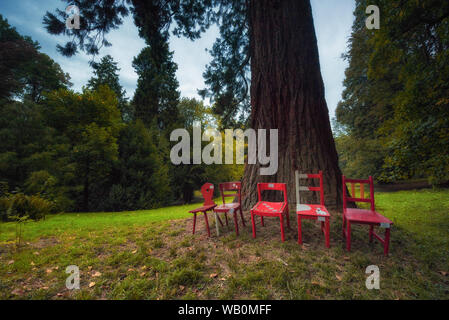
[333,21]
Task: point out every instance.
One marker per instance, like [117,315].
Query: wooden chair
[207,190]
[312,211]
[233,207]
[363,216]
[271,209]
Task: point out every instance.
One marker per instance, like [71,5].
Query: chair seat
[203,208]
[266,207]
[226,207]
[312,212]
[365,216]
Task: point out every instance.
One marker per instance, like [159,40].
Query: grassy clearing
[151,254]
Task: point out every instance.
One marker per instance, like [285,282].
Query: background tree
[87,126]
[141,178]
[156,97]
[395,98]
[25,72]
[106,73]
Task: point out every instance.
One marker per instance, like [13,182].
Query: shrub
[18,205]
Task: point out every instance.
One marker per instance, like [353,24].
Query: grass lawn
[152,254]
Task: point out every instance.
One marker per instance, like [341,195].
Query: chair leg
[226,217]
[241,215]
[219,220]
[327,233]
[236,223]
[348,235]
[194,223]
[282,228]
[254,225]
[261,221]
[387,241]
[371,230]
[299,230]
[343,226]
[288,217]
[207,224]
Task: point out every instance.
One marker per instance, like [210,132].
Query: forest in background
[393,119]
[94,150]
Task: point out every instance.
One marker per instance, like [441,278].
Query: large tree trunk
[287,93]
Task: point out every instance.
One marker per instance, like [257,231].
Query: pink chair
[364,216]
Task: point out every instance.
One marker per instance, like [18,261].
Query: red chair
[271,209]
[234,207]
[312,211]
[364,216]
[207,191]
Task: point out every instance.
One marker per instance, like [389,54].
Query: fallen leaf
[49,271]
[17,292]
[96,274]
[32,263]
[36,253]
[134,251]
[444,273]
[346,258]
[10,261]
[59,294]
[56,268]
[338,277]
[143,268]
[223,279]
[89,268]
[280,260]
[142,274]
[130,269]
[45,288]
[213,275]
[91,284]
[181,287]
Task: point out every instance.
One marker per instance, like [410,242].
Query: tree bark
[287,93]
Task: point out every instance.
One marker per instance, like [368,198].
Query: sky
[333,21]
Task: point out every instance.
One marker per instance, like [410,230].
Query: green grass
[151,254]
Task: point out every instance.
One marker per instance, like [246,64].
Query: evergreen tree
[156,97]
[106,73]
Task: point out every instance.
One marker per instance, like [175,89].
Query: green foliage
[396,90]
[20,207]
[87,126]
[142,179]
[106,73]
[24,71]
[156,97]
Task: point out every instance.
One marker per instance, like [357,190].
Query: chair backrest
[207,190]
[231,186]
[272,186]
[353,197]
[319,189]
